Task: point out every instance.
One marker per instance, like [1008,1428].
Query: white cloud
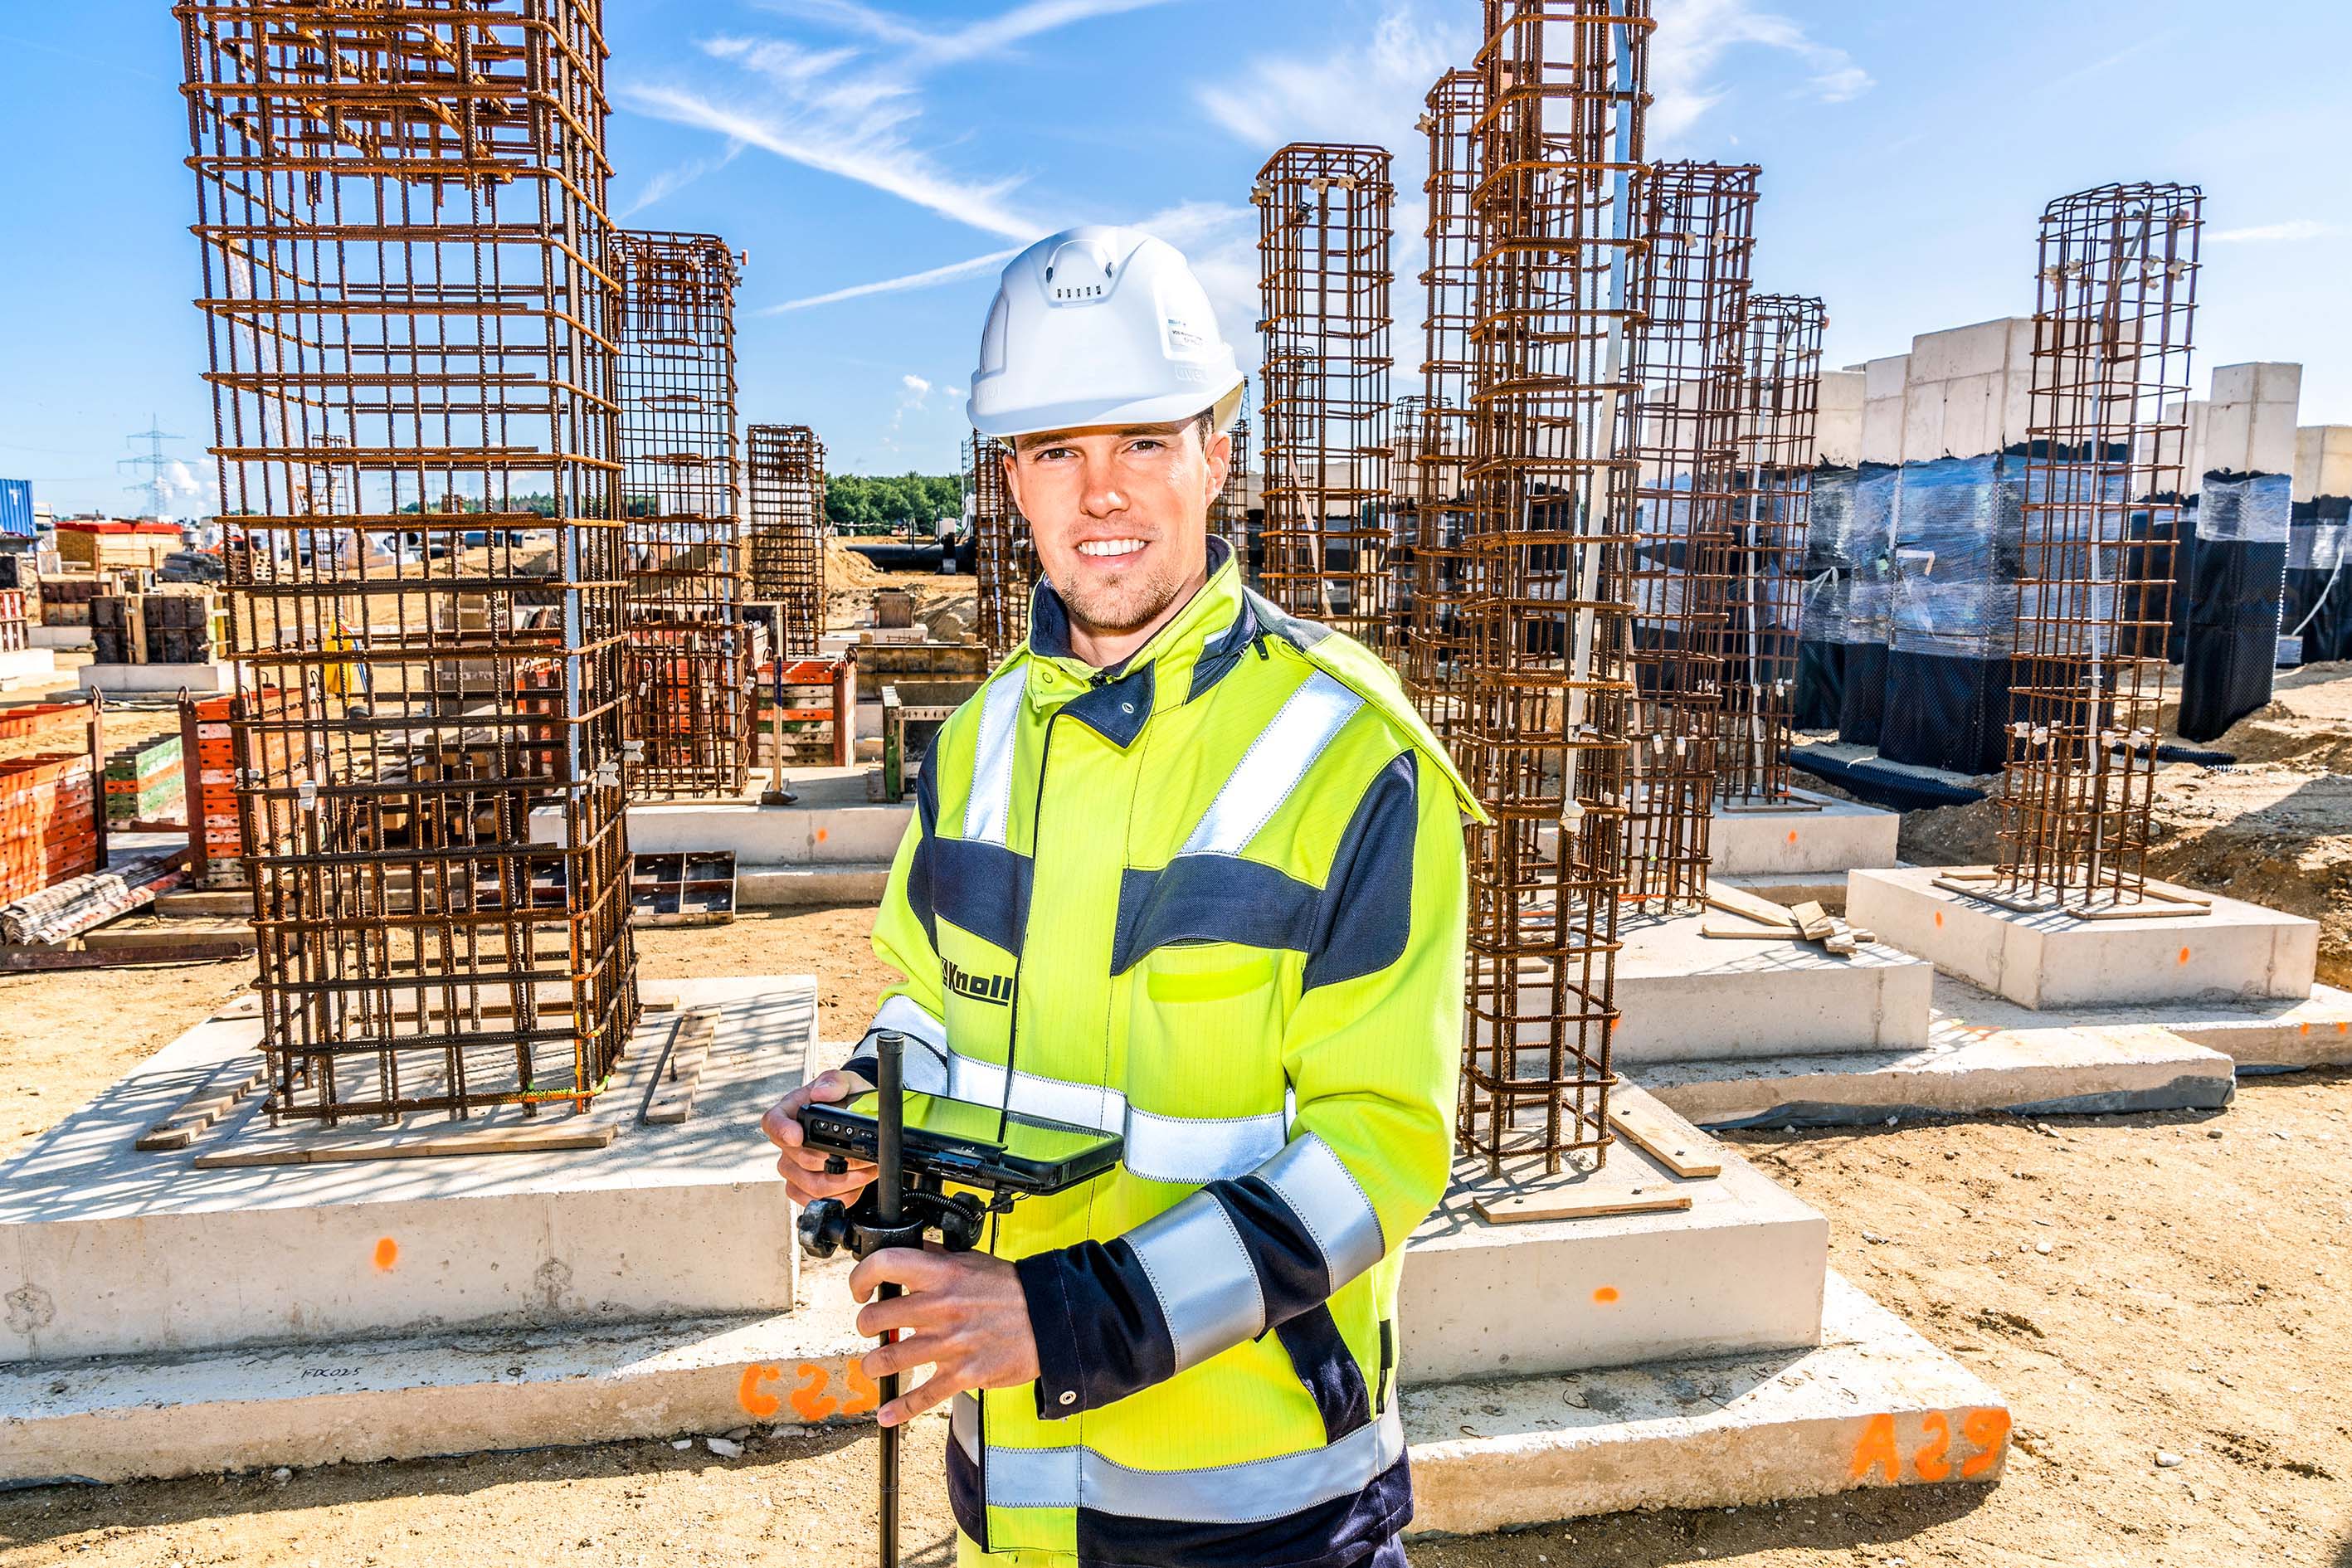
[925,280]
[1372,91]
[2273,233]
[1692,39]
[668,183]
[180,480]
[917,386]
[932,45]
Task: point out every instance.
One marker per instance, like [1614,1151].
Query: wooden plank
[227,1083]
[1813,923]
[1567,1200]
[31,959]
[1749,906]
[1672,1141]
[392,1146]
[1749,933]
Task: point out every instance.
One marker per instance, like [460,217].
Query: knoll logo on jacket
[995,989]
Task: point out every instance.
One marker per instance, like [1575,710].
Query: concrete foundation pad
[106,1250]
[160,1416]
[1874,1405]
[1826,889]
[1685,996]
[29,664]
[61,637]
[795,887]
[1813,832]
[831,823]
[1484,1300]
[2233,951]
[2259,1034]
[198,678]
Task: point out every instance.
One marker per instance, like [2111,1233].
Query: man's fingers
[805,1187]
[907,1266]
[782,1125]
[934,1391]
[903,1355]
[921,1309]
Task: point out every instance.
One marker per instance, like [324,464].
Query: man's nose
[1103,495]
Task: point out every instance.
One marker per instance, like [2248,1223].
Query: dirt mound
[847,568]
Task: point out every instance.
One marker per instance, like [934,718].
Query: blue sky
[1908,146]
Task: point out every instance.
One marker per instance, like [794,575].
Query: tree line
[882,503]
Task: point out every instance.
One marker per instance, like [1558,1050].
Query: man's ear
[1219,451]
[1012,477]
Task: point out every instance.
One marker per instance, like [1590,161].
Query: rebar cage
[2107,431]
[412,326]
[1324,220]
[1781,393]
[786,464]
[1439,517]
[1229,513]
[1003,562]
[1689,295]
[1552,481]
[689,665]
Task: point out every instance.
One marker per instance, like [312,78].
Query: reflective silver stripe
[1194,1151]
[1273,765]
[926,1059]
[1032,1477]
[1203,1274]
[1201,1150]
[1245,1493]
[1328,1201]
[988,809]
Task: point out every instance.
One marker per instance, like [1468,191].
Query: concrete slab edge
[1876,1406]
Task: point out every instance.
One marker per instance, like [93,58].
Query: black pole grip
[889,1177]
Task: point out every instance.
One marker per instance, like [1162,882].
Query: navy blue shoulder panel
[1365,915]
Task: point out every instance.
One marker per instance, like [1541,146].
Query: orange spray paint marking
[1939,920]
[1606,1296]
[387,1253]
[757,1403]
[865,1394]
[1876,1450]
[1989,1430]
[1793,836]
[1928,1462]
[821,834]
[809,1400]
[2184,955]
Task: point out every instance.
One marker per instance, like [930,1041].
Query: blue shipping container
[16,509]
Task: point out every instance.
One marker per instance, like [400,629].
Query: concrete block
[355,1401]
[1882,430]
[1688,997]
[2235,383]
[1833,835]
[1874,1406]
[23,664]
[2278,381]
[1826,889]
[773,836]
[1837,434]
[800,887]
[1978,349]
[1923,422]
[61,637]
[2016,419]
[2017,353]
[125,1253]
[199,679]
[2056,959]
[2260,1034]
[1616,1289]
[2229,436]
[1886,377]
[2195,415]
[1966,1070]
[1972,415]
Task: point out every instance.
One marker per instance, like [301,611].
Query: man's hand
[806,1179]
[970,1319]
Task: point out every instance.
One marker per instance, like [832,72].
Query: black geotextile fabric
[2318,588]
[1862,710]
[1946,712]
[1821,683]
[2236,580]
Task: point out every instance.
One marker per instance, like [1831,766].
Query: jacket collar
[1183,661]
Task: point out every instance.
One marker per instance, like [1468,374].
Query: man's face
[1120,516]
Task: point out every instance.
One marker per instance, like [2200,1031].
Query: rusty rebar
[690,666]
[2107,427]
[785,466]
[1552,480]
[1229,517]
[412,321]
[1781,393]
[1005,561]
[1324,222]
[1689,297]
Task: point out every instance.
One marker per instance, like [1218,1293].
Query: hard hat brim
[1092,413]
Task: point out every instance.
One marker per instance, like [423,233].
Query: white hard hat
[1099,326]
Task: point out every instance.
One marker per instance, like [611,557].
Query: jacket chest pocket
[1204,1031]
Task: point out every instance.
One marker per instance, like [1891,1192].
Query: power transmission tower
[154,462]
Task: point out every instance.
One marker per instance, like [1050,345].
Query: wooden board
[671,1098]
[1568,1199]
[1671,1141]
[1750,906]
[228,1083]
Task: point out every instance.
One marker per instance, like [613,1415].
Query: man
[1188,869]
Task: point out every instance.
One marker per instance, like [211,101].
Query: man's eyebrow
[1029,443]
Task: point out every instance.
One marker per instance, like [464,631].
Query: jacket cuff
[1099,1333]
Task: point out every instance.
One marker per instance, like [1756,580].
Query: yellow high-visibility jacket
[1211,898]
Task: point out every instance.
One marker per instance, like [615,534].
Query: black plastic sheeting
[1946,713]
[1958,535]
[2236,576]
[1881,786]
[2317,601]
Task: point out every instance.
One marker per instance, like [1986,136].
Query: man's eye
[1147,445]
